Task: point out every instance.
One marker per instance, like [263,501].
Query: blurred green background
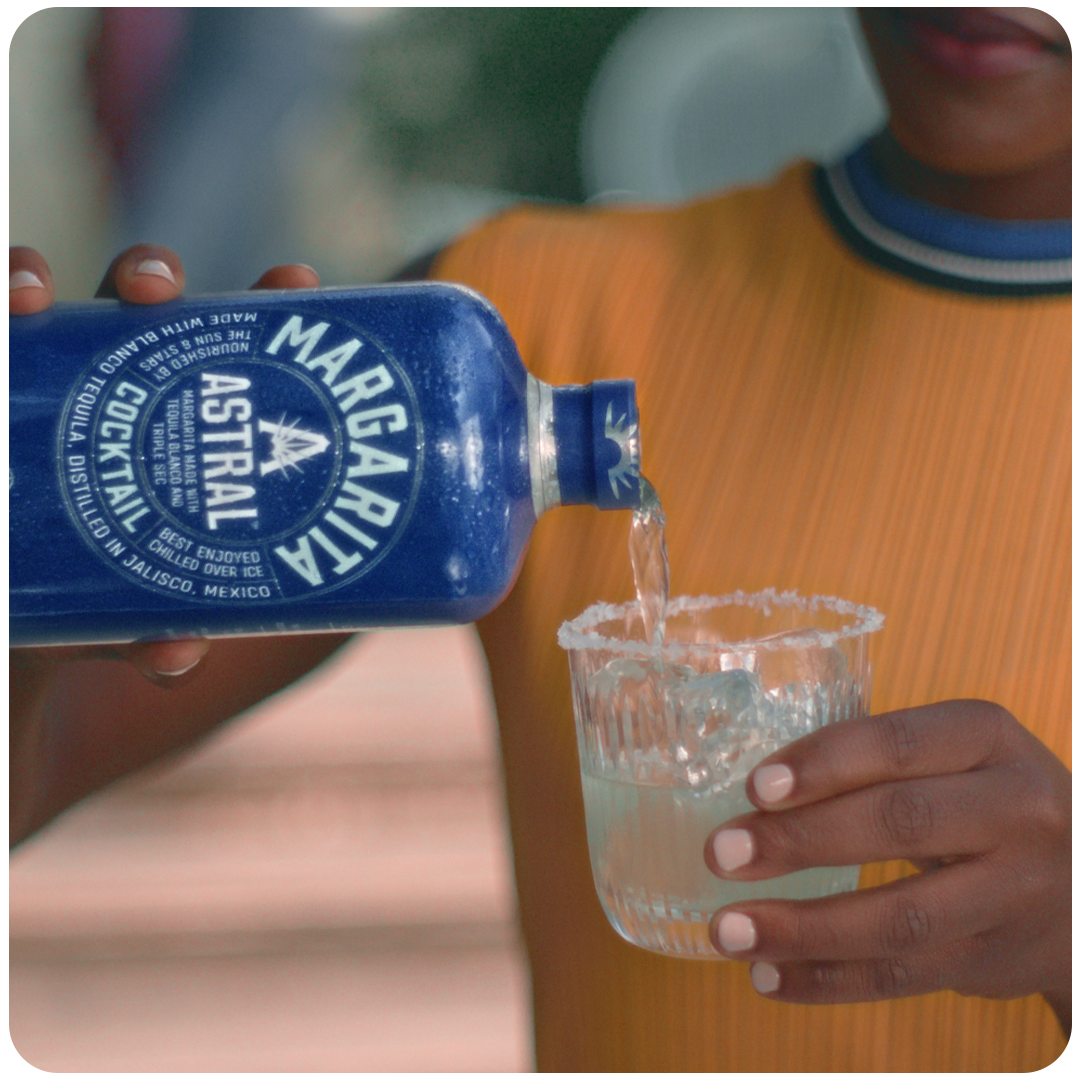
[356,139]
[489,97]
[349,138]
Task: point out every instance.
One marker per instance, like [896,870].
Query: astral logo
[289,445]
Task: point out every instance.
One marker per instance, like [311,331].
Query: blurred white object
[698,99]
[59,184]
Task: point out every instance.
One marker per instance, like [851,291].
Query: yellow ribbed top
[811,422]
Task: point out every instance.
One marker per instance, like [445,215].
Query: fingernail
[25,279]
[155,268]
[773,783]
[736,932]
[765,978]
[179,658]
[173,672]
[733,848]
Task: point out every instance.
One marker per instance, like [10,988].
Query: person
[854,381]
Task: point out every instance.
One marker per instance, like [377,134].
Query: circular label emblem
[257,454]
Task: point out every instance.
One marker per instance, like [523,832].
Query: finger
[30,284]
[169,664]
[293,276]
[952,816]
[948,737]
[926,911]
[835,982]
[988,964]
[144,274]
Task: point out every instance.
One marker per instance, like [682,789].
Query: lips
[982,42]
[977,25]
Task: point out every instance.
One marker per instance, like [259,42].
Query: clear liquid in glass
[647,845]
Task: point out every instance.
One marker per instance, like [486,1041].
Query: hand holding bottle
[143,274]
[209,478]
[78,719]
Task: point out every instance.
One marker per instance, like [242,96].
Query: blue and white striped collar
[941,246]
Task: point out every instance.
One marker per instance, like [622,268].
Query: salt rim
[575,634]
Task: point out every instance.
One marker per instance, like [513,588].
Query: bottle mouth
[584,445]
[616,444]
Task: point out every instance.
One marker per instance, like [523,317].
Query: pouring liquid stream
[649,561]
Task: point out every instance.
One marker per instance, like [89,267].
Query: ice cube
[720,719]
[616,674]
[626,700]
[822,695]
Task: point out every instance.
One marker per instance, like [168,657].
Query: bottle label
[242,456]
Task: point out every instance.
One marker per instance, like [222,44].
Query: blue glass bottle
[278,462]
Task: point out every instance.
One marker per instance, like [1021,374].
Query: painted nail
[736,932]
[733,848]
[25,279]
[765,978]
[773,783]
[155,268]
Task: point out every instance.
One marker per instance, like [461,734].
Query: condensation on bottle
[302,461]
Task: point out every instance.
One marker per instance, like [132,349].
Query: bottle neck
[584,445]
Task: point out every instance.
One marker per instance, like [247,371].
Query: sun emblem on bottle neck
[625,437]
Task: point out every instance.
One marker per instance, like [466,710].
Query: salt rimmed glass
[667,735]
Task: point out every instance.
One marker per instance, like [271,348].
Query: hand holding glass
[668,734]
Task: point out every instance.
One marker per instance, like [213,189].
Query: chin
[977,142]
